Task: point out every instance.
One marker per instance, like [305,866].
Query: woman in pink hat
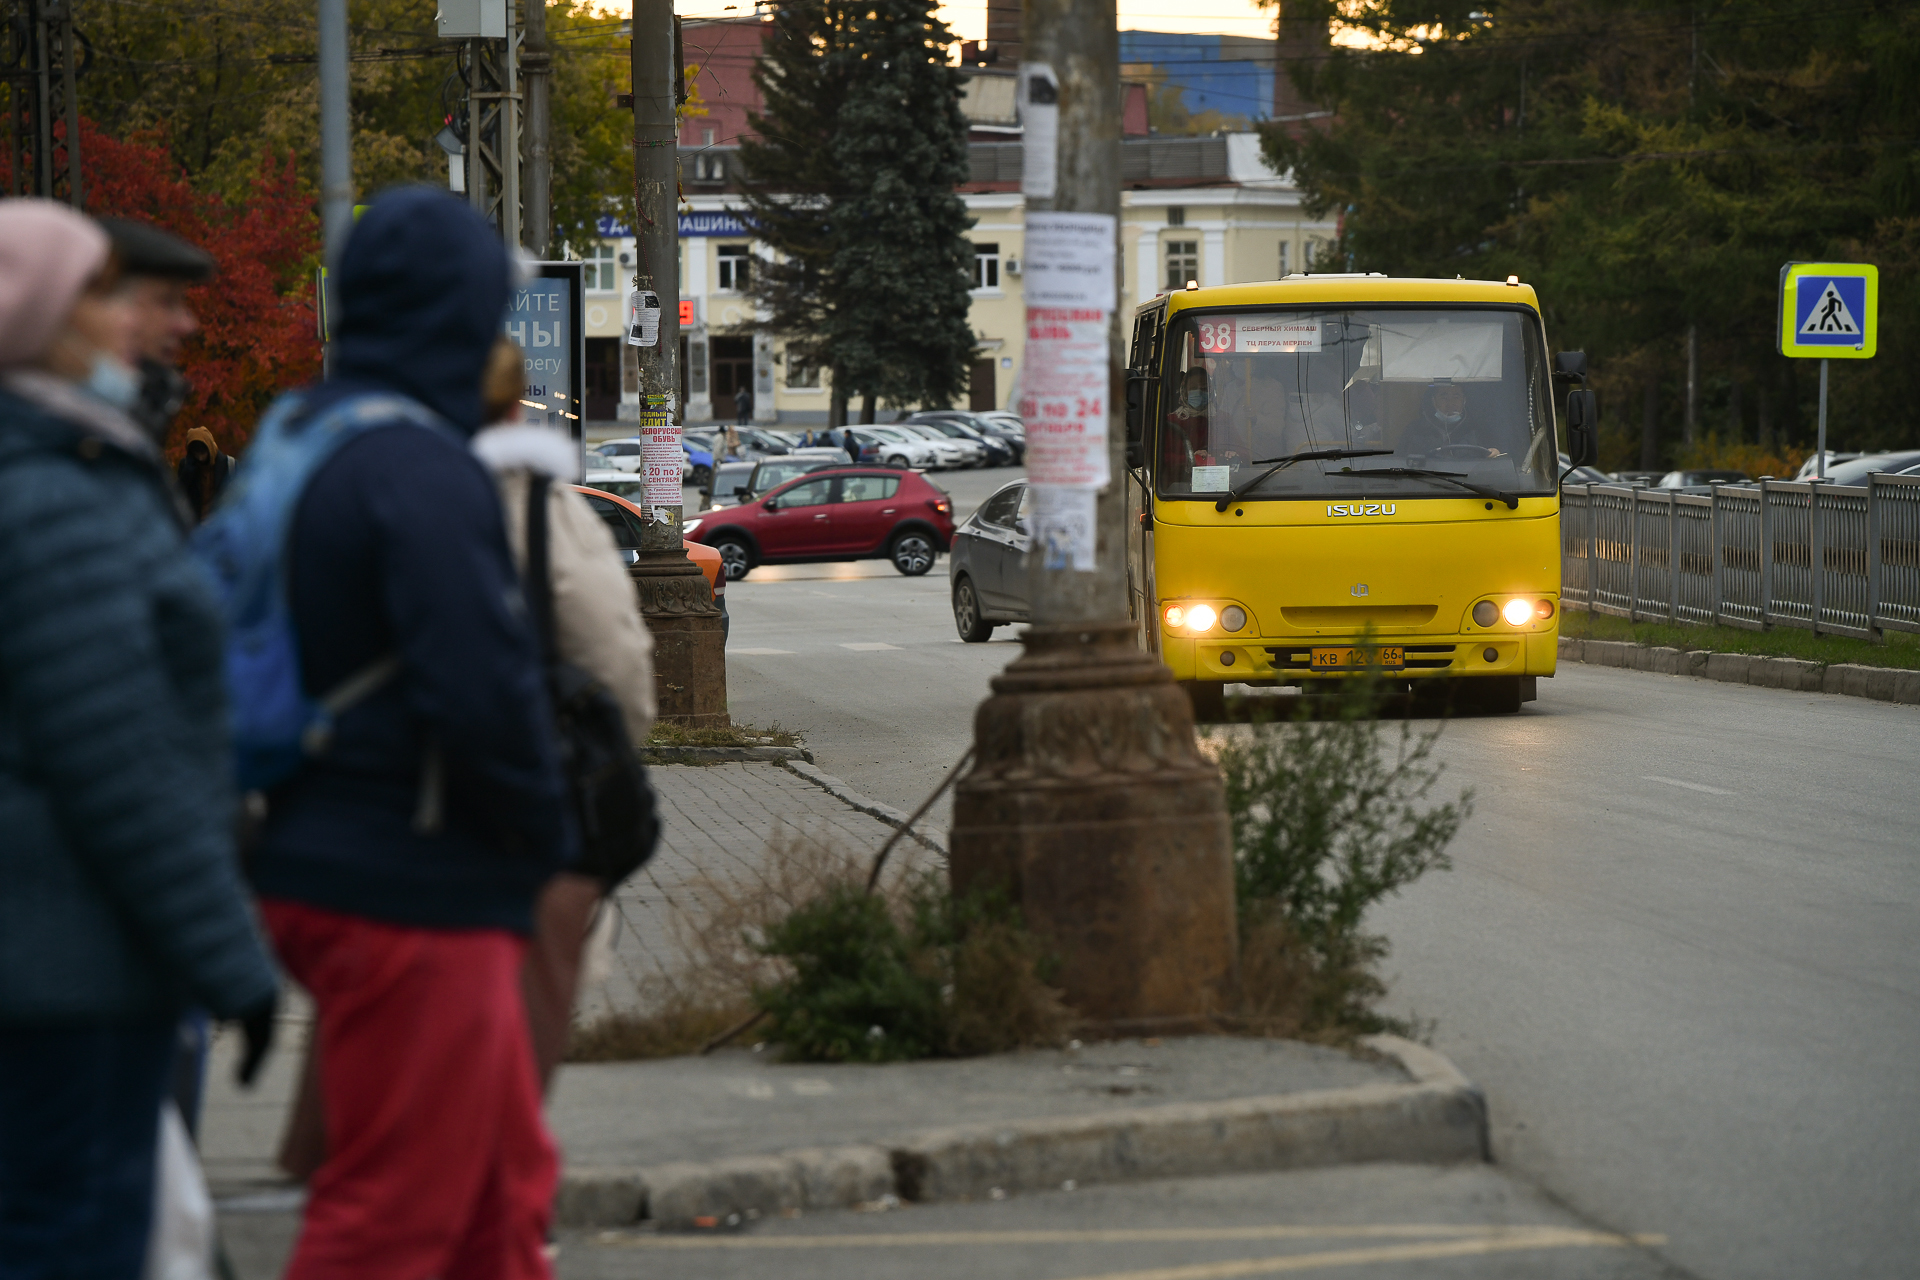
[121,905]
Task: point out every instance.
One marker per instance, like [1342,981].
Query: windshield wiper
[1234,495]
[1485,491]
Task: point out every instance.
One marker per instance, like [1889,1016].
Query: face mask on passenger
[1449,418]
[1196,398]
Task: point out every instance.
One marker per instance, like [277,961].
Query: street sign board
[1829,310]
[544,317]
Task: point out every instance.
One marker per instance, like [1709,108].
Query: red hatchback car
[848,513]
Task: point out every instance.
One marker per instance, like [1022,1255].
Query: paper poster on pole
[643,318]
[1064,528]
[1039,105]
[1070,260]
[660,455]
[1063,397]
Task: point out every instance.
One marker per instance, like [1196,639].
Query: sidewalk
[680,1141]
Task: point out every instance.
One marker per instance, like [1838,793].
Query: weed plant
[1331,813]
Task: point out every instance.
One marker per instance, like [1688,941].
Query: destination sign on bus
[1244,335]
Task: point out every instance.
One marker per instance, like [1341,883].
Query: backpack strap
[539,572]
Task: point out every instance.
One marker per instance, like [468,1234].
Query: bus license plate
[1391,659]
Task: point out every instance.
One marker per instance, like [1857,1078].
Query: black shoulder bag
[606,782]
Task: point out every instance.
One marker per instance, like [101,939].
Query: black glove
[256,1026]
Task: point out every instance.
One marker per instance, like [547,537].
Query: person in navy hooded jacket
[398,869]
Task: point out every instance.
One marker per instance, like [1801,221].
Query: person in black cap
[158,269]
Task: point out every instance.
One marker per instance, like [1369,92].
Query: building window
[986,266]
[710,167]
[1284,246]
[1183,263]
[600,269]
[733,268]
[1176,215]
[1309,254]
[706,137]
[801,373]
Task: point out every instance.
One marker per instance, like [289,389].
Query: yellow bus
[1335,472]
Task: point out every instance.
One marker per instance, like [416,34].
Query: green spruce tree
[851,180]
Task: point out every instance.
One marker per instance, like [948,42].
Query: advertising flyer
[660,454]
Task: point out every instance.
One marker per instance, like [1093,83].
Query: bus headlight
[1543,609]
[1232,618]
[1201,618]
[1175,615]
[1486,613]
[1518,612]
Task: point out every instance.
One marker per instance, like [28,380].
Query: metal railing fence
[1780,553]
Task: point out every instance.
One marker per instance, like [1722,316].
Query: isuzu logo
[1361,508]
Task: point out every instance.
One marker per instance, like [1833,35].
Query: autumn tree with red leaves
[257,331]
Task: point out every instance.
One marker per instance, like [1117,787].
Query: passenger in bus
[1446,429]
[1185,443]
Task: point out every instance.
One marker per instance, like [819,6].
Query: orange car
[625,520]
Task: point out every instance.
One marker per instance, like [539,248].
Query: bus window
[1460,392]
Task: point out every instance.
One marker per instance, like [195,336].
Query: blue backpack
[276,725]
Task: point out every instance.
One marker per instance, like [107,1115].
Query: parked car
[624,484]
[620,455]
[1856,471]
[1697,479]
[969,452]
[956,426]
[897,448]
[1005,419]
[727,477]
[698,470]
[765,476]
[988,565]
[1812,463]
[1005,426]
[624,519]
[846,513]
[1637,477]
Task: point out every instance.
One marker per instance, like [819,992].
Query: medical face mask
[1448,418]
[110,380]
[1196,399]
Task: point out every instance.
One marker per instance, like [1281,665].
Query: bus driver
[1443,428]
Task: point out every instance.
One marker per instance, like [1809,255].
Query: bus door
[1143,361]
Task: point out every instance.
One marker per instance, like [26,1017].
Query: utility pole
[689,655]
[536,64]
[1088,801]
[336,144]
[39,74]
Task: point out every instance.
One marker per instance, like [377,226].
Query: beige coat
[596,615]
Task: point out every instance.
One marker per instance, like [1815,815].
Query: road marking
[1504,1242]
[762,653]
[1473,1233]
[1690,786]
[869,647]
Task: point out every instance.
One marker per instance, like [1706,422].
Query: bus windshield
[1458,392]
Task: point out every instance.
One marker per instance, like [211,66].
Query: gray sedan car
[988,564]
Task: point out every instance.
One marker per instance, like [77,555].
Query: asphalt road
[1678,946]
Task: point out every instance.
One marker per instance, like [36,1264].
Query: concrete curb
[720,755]
[1440,1117]
[839,790]
[1884,684]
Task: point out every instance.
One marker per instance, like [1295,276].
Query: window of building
[1183,263]
[601,270]
[1176,215]
[709,166]
[1284,246]
[986,266]
[801,373]
[733,268]
[706,137]
[1309,254]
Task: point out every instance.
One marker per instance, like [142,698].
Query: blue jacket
[120,893]
[398,545]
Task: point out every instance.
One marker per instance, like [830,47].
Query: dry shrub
[798,939]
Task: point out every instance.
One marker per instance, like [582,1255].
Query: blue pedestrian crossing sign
[1829,310]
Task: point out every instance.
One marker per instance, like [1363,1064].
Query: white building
[1203,208]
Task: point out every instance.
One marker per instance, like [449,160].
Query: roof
[1309,290]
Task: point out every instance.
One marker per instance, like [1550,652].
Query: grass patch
[666,736]
[1899,649]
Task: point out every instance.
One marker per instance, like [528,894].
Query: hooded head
[424,283]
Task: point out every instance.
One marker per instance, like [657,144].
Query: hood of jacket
[423,286]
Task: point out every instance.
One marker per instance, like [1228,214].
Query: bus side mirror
[1571,365]
[1137,389]
[1583,428]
